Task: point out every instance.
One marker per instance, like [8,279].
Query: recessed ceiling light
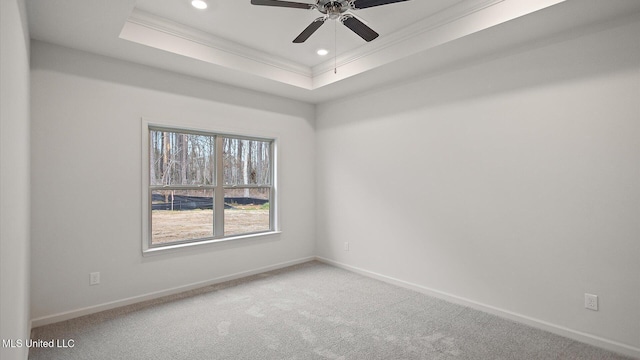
[323,52]
[199,4]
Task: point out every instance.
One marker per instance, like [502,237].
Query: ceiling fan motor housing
[332,8]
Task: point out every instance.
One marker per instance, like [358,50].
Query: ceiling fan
[332,10]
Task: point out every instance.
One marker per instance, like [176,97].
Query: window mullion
[218,194]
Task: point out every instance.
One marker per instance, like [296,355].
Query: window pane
[246,210]
[247,162]
[179,215]
[181,159]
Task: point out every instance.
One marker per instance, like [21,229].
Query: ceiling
[250,46]
[271,29]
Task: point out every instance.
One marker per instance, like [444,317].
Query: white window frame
[218,187]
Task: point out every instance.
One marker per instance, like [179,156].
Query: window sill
[175,248]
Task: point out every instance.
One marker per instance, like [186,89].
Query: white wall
[86,175]
[14,177]
[512,183]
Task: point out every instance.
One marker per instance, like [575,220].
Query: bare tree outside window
[247,185]
[182,185]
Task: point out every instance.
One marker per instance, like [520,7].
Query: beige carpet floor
[309,311]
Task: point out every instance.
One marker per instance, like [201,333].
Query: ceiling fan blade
[359,27]
[315,25]
[278,3]
[363,4]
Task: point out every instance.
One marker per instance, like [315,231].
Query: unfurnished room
[320,179]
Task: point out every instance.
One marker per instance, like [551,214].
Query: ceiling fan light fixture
[332,10]
[199,4]
[322,52]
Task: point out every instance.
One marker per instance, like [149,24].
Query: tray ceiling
[251,46]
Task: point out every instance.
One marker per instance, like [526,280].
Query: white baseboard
[67,315]
[540,324]
[543,325]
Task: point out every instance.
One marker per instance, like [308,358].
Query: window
[203,187]
[247,185]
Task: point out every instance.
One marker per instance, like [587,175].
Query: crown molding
[452,23]
[176,29]
[158,32]
[437,20]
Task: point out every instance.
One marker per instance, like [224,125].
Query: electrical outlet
[94,278]
[591,301]
[346,246]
